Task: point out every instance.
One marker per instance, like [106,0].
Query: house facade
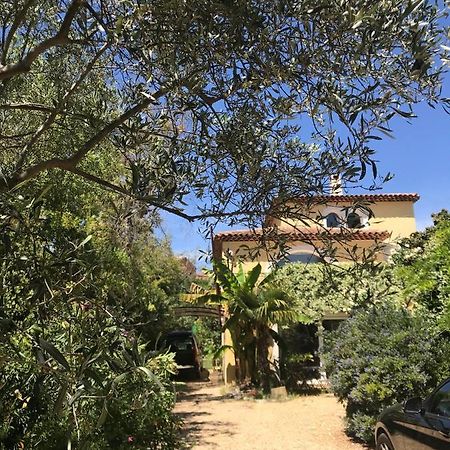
[336,228]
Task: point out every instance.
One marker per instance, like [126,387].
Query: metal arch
[199,311]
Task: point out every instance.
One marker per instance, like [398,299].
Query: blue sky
[419,157]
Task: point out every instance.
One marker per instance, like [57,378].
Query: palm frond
[267,279]
[248,298]
[240,276]
[210,299]
[226,278]
[277,307]
[252,277]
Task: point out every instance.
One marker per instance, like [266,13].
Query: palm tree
[253,308]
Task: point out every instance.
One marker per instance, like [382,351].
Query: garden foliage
[253,305]
[383,355]
[80,300]
[212,110]
[423,263]
[318,289]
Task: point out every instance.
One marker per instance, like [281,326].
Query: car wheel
[384,443]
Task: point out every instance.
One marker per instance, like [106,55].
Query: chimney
[336,185]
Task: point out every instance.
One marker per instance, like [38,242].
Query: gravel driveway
[214,421]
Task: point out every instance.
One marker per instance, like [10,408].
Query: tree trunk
[263,359]
[251,362]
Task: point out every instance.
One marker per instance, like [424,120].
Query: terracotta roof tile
[300,234]
[394,197]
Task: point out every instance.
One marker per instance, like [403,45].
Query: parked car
[187,353]
[417,424]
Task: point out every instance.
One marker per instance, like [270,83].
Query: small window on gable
[333,220]
[353,220]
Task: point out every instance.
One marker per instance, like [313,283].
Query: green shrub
[382,356]
[75,320]
[423,263]
[318,289]
[94,407]
[139,415]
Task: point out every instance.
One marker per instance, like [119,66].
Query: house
[337,227]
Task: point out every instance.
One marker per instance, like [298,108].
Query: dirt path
[214,421]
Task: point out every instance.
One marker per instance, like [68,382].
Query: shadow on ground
[214,418]
[197,428]
[197,423]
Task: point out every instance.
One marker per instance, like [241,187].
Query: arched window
[333,221]
[305,258]
[353,220]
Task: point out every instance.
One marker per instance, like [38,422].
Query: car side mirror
[413,405]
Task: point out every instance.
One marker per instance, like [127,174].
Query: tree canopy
[210,109]
[423,262]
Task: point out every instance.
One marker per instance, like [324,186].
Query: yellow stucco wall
[228,361]
[396,217]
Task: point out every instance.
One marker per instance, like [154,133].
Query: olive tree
[212,109]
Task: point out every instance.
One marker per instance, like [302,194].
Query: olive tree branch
[62,37]
[59,108]
[71,162]
[148,199]
[18,19]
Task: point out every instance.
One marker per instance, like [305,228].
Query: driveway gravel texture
[213,420]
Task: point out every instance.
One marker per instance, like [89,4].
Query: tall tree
[85,287]
[253,306]
[423,262]
[225,105]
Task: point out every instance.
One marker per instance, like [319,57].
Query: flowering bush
[319,289]
[382,356]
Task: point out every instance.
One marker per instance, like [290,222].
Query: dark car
[417,424]
[185,347]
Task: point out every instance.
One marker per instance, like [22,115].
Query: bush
[75,320]
[382,356]
[140,414]
[94,407]
[318,289]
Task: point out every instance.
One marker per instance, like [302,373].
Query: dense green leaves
[211,109]
[54,352]
[86,289]
[318,289]
[381,356]
[424,264]
[252,309]
[383,353]
[386,354]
